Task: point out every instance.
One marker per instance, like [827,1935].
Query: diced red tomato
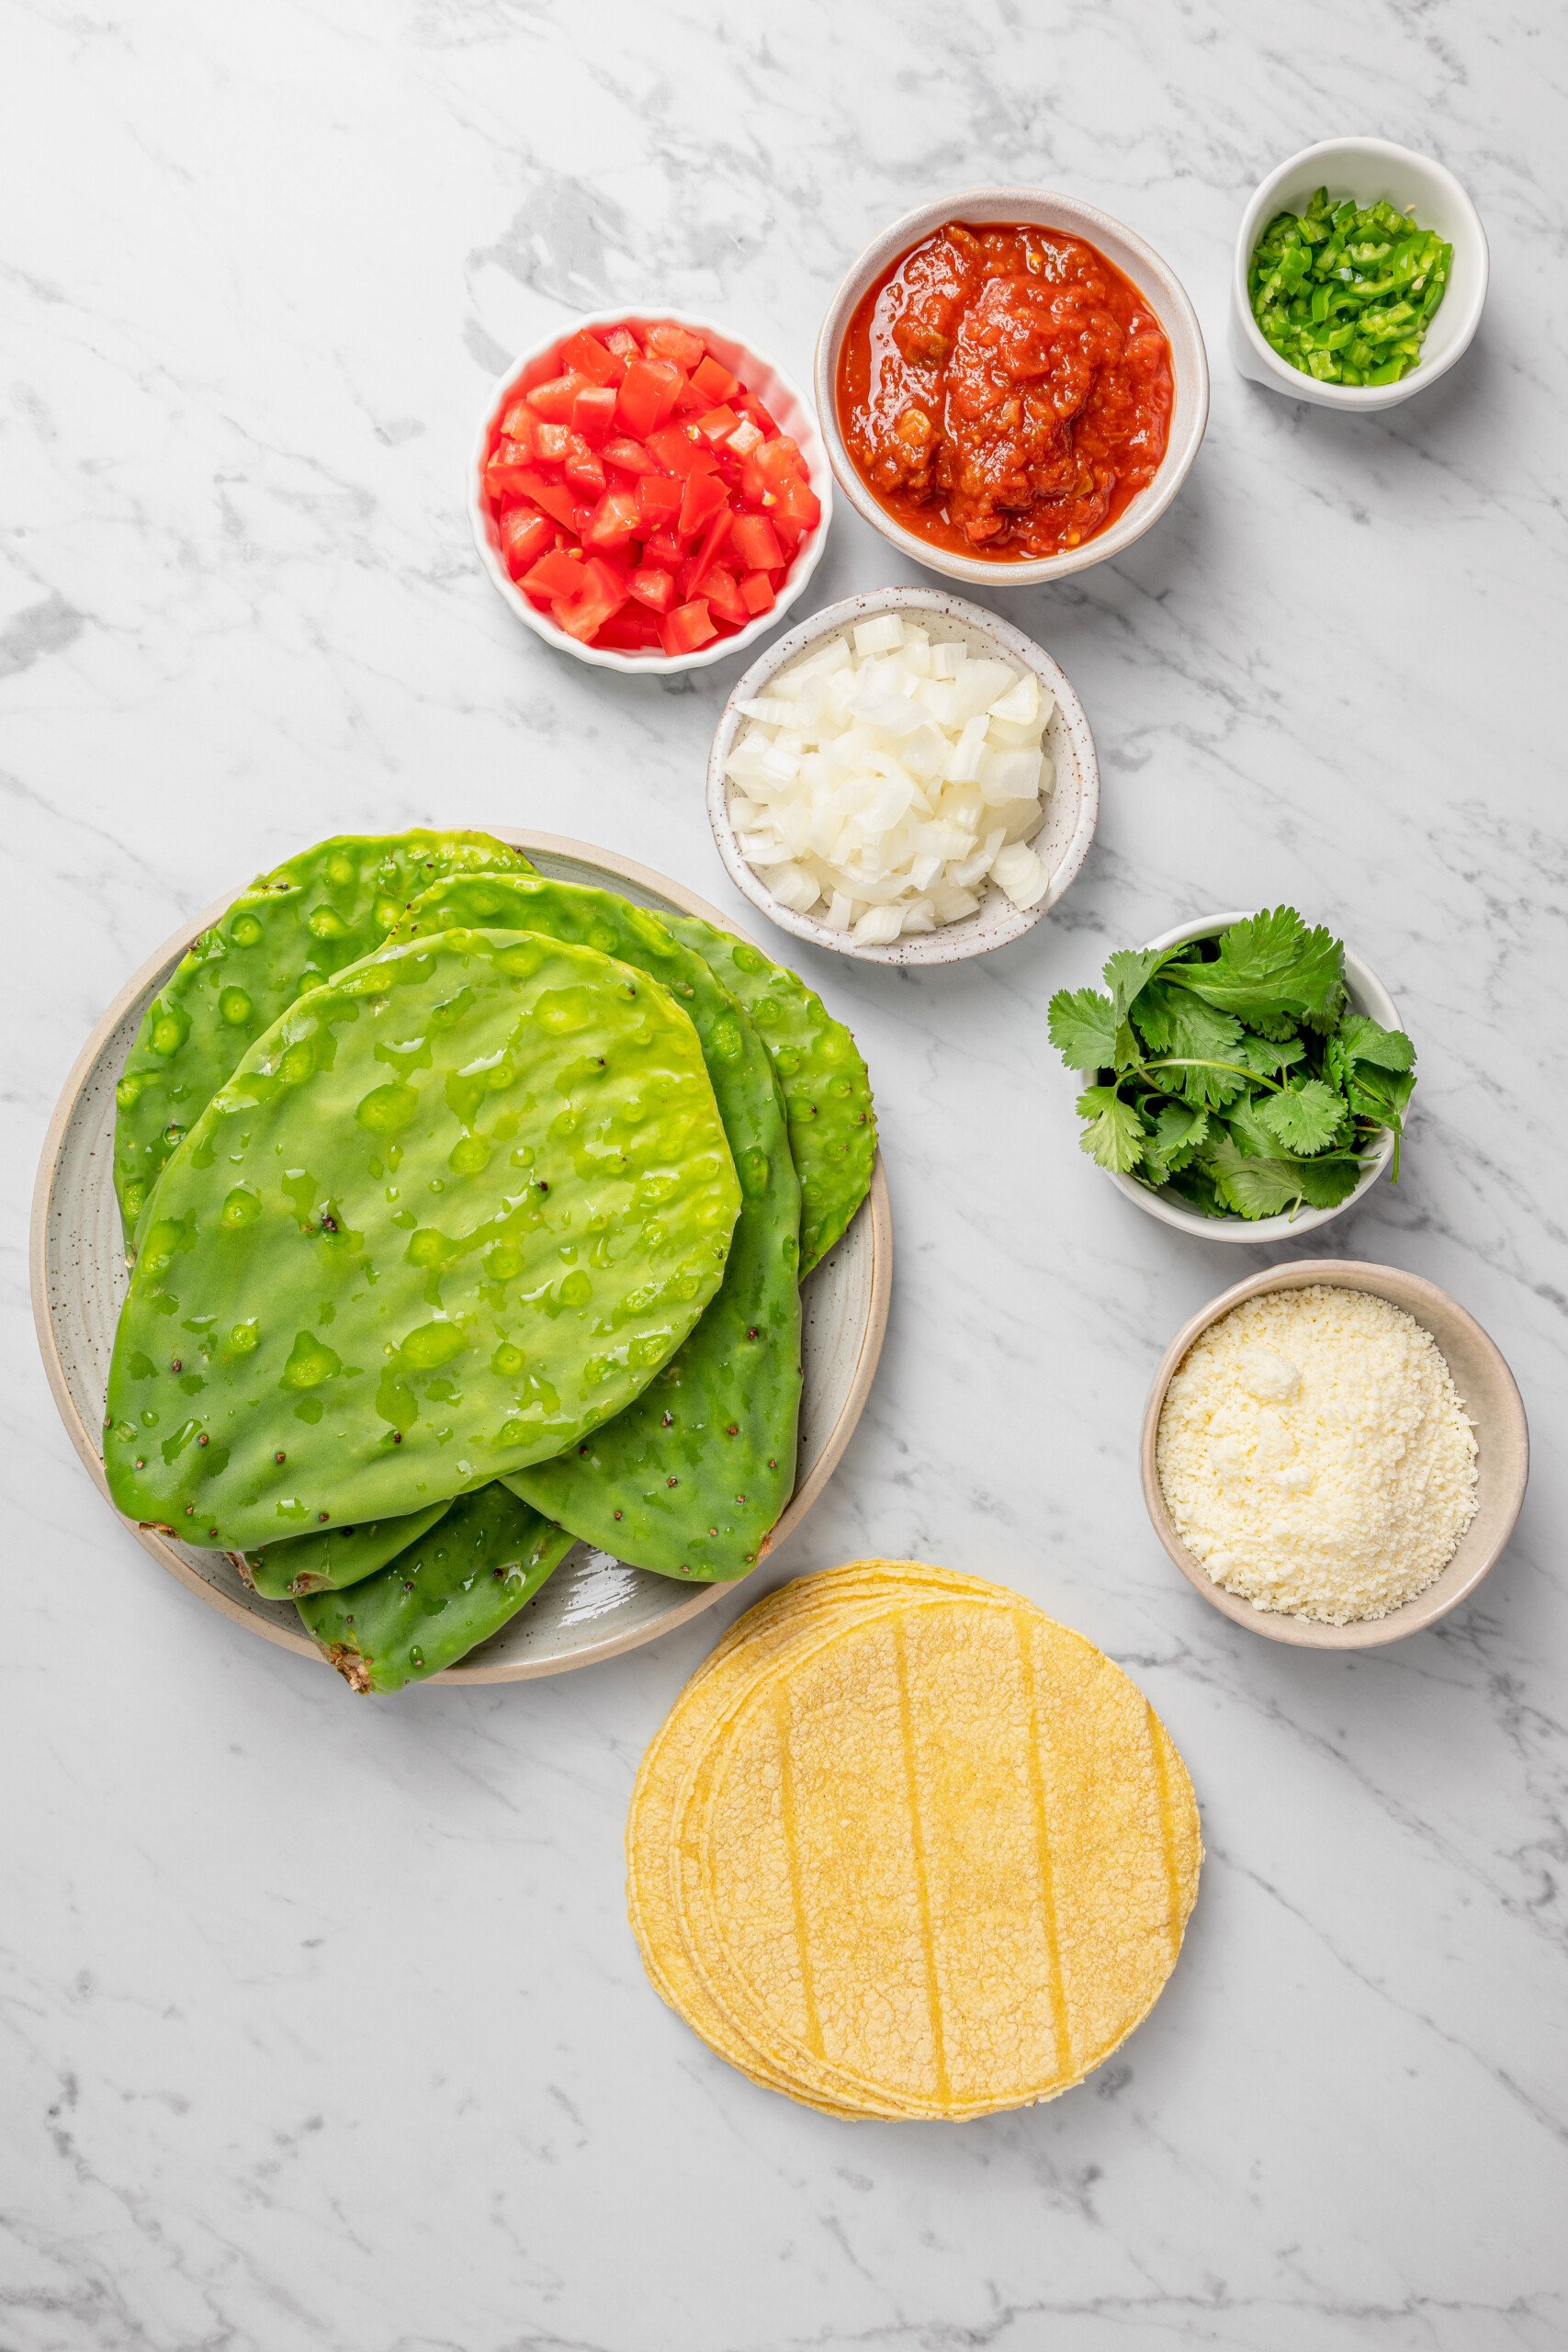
[553,401]
[798,505]
[714,379]
[701,500]
[647,394]
[583,355]
[713,539]
[593,413]
[556,574]
[666,341]
[525,535]
[722,591]
[519,424]
[642,495]
[653,586]
[681,452]
[555,497]
[613,521]
[584,470]
[508,461]
[757,544]
[601,593]
[658,498]
[630,456]
[687,628]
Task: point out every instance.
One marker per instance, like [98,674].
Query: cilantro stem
[1190,1061]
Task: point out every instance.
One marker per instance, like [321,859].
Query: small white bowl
[1366,994]
[1489,1394]
[778,393]
[1366,169]
[1071,810]
[1161,288]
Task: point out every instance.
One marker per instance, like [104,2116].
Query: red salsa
[1003,390]
[642,496]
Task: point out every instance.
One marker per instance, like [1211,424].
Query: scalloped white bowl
[778,393]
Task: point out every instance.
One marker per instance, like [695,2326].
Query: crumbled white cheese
[1314,1455]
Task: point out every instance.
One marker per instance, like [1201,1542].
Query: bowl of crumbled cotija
[1334,1454]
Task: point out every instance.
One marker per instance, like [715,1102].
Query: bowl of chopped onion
[904,778]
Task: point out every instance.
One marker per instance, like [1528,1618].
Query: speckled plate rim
[876,1209]
[997,921]
[1505,1449]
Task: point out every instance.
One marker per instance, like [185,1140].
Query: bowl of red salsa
[649,492]
[1012,386]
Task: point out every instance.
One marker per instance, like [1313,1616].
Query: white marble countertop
[322,2023]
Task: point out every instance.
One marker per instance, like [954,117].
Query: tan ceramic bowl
[1154,280]
[1486,1390]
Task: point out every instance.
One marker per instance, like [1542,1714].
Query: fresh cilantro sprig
[1231,1072]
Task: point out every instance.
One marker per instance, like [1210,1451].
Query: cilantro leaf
[1379,1095]
[1127,971]
[1306,1118]
[1326,1182]
[1082,1025]
[1253,1188]
[1189,1039]
[1362,1040]
[1271,964]
[1178,1131]
[1271,1055]
[1115,1135]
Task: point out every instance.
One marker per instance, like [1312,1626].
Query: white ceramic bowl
[1489,1395]
[1366,169]
[1071,811]
[784,401]
[1154,280]
[1366,994]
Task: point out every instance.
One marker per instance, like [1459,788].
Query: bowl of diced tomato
[649,492]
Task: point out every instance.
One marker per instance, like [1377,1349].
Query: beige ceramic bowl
[1154,280]
[1486,1390]
[594,1607]
[1071,810]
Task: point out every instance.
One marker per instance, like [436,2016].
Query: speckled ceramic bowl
[593,1606]
[1154,280]
[1366,994]
[1365,169]
[777,393]
[1489,1395]
[1071,811]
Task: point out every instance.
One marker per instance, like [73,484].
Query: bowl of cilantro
[1247,1076]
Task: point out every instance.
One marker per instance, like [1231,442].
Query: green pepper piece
[334,1558]
[454,1588]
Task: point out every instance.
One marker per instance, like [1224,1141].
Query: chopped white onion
[884,778]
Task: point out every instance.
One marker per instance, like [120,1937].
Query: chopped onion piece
[885,777]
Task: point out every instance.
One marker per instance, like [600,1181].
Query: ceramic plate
[593,1606]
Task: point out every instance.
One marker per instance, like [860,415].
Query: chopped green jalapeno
[1346,293]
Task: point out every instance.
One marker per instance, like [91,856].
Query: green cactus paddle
[292,929]
[827,1090]
[690,1477]
[455,1209]
[444,1595]
[335,1557]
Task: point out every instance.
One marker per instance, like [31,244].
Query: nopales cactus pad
[441,1596]
[334,1558]
[692,1476]
[454,1210]
[292,929]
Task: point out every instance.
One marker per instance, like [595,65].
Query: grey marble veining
[321,2024]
